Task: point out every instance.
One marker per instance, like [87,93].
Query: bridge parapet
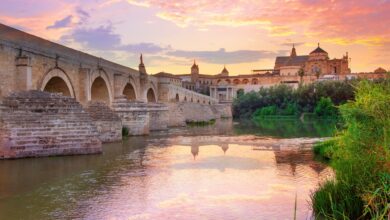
[172,93]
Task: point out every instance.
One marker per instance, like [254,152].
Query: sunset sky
[243,34]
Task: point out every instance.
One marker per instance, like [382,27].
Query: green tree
[325,108]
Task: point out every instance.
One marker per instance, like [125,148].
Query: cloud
[350,20]
[103,38]
[63,23]
[222,56]
[291,43]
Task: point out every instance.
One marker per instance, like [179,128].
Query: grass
[325,150]
[201,123]
[360,156]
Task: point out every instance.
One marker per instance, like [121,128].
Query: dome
[319,50]
[380,70]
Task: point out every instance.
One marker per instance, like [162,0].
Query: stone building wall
[107,122]
[35,124]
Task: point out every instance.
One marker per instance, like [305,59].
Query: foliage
[325,108]
[201,123]
[289,101]
[125,132]
[325,149]
[361,159]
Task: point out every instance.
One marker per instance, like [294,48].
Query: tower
[194,72]
[141,66]
[293,52]
[224,72]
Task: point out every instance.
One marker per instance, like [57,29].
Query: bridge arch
[177,98]
[151,95]
[129,91]
[100,89]
[57,81]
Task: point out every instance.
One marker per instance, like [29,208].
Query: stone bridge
[28,62]
[55,100]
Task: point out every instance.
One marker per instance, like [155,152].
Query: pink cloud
[350,20]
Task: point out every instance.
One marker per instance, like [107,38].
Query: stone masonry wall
[134,115]
[35,124]
[176,115]
[182,112]
[107,122]
[222,110]
[158,116]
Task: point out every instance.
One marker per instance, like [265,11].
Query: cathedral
[291,70]
[316,63]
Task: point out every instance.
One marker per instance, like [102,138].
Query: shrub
[361,159]
[289,101]
[125,132]
[265,111]
[325,149]
[325,108]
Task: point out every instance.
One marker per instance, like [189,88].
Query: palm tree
[301,73]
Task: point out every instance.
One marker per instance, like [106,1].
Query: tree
[301,73]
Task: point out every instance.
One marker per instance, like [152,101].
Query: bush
[125,132]
[265,111]
[361,159]
[325,150]
[325,108]
[289,101]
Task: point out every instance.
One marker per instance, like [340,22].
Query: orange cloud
[350,20]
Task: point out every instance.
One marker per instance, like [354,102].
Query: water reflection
[288,128]
[171,176]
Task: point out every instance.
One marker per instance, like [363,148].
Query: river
[221,171]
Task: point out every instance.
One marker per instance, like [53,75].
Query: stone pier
[134,115]
[158,116]
[182,112]
[35,124]
[107,122]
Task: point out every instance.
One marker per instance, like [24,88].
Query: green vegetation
[282,100]
[201,123]
[125,132]
[287,127]
[360,156]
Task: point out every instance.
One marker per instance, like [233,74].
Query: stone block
[36,124]
[107,122]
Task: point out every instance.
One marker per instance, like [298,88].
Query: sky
[241,34]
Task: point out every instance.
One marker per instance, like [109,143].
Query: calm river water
[191,173]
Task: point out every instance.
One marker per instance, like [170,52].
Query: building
[291,70]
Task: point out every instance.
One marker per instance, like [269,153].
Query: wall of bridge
[173,93]
[28,62]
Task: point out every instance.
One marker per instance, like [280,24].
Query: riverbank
[360,156]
